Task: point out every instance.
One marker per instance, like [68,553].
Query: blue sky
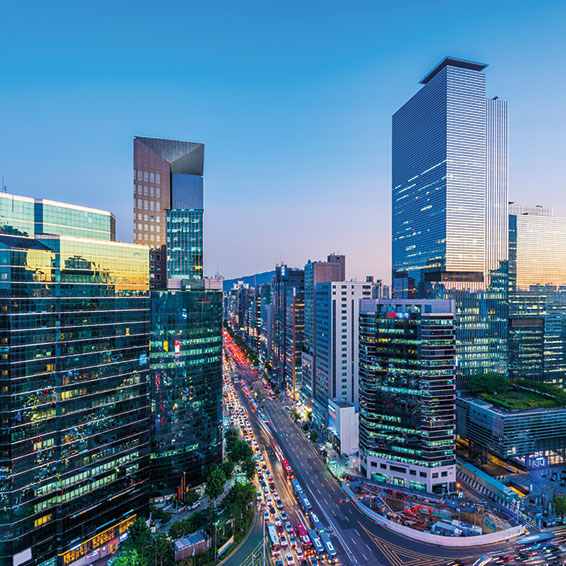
[292,99]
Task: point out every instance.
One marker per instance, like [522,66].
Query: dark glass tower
[74,387]
[186,332]
[407,393]
[186,367]
[450,193]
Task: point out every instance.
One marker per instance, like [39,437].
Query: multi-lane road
[359,540]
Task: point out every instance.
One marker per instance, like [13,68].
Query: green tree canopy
[215,482]
[488,383]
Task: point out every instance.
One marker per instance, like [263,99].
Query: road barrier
[437,540]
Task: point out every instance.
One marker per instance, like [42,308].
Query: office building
[537,294]
[286,283]
[74,384]
[168,207]
[186,381]
[343,426]
[294,336]
[534,437]
[186,333]
[450,194]
[337,352]
[407,393]
[333,269]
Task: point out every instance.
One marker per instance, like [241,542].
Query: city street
[359,540]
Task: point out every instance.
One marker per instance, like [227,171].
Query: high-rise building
[337,352]
[186,333]
[450,193]
[294,336]
[407,393]
[168,207]
[186,368]
[333,269]
[74,387]
[537,295]
[286,283]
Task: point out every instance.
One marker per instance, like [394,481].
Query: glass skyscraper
[186,381]
[537,294]
[186,332]
[74,387]
[168,207]
[407,393]
[450,193]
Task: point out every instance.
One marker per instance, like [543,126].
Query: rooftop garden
[516,394]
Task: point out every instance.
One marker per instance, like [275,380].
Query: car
[265,490]
[266,515]
[283,540]
[299,552]
[272,509]
[269,500]
[283,516]
[314,561]
[289,558]
[263,484]
[259,496]
[278,504]
[264,466]
[271,486]
[288,527]
[277,521]
[260,476]
[279,562]
[276,495]
[292,539]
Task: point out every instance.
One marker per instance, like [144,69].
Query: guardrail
[430,538]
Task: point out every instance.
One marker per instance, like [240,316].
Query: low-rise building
[343,425]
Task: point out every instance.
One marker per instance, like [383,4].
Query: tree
[240,451]
[249,468]
[313,436]
[192,497]
[215,482]
[127,557]
[559,505]
[228,468]
[140,540]
[164,552]
[488,383]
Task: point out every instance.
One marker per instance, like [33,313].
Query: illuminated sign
[177,348]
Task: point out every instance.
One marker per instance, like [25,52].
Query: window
[139,190]
[145,227]
[145,217]
[139,175]
[140,205]
[413,472]
[151,205]
[443,474]
[435,475]
[151,227]
[145,176]
[145,237]
[157,206]
[383,466]
[151,177]
[151,237]
[422,474]
[157,179]
[145,191]
[151,190]
[139,216]
[157,191]
[145,205]
[158,218]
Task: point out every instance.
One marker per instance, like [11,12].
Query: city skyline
[277,122]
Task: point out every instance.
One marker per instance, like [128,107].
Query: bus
[297,489]
[273,538]
[303,537]
[317,546]
[316,524]
[328,547]
[305,503]
[287,470]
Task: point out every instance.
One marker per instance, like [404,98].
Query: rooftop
[453,62]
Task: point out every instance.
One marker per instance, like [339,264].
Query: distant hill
[251,280]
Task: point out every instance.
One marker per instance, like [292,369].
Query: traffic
[294,535]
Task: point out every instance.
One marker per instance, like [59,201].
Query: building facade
[333,269]
[168,207]
[186,382]
[337,352]
[535,438]
[74,395]
[537,295]
[407,393]
[450,194]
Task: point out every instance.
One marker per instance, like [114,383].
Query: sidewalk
[252,544]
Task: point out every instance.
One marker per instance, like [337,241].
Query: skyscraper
[186,332]
[537,294]
[337,353]
[168,207]
[407,393]
[74,387]
[333,269]
[450,189]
